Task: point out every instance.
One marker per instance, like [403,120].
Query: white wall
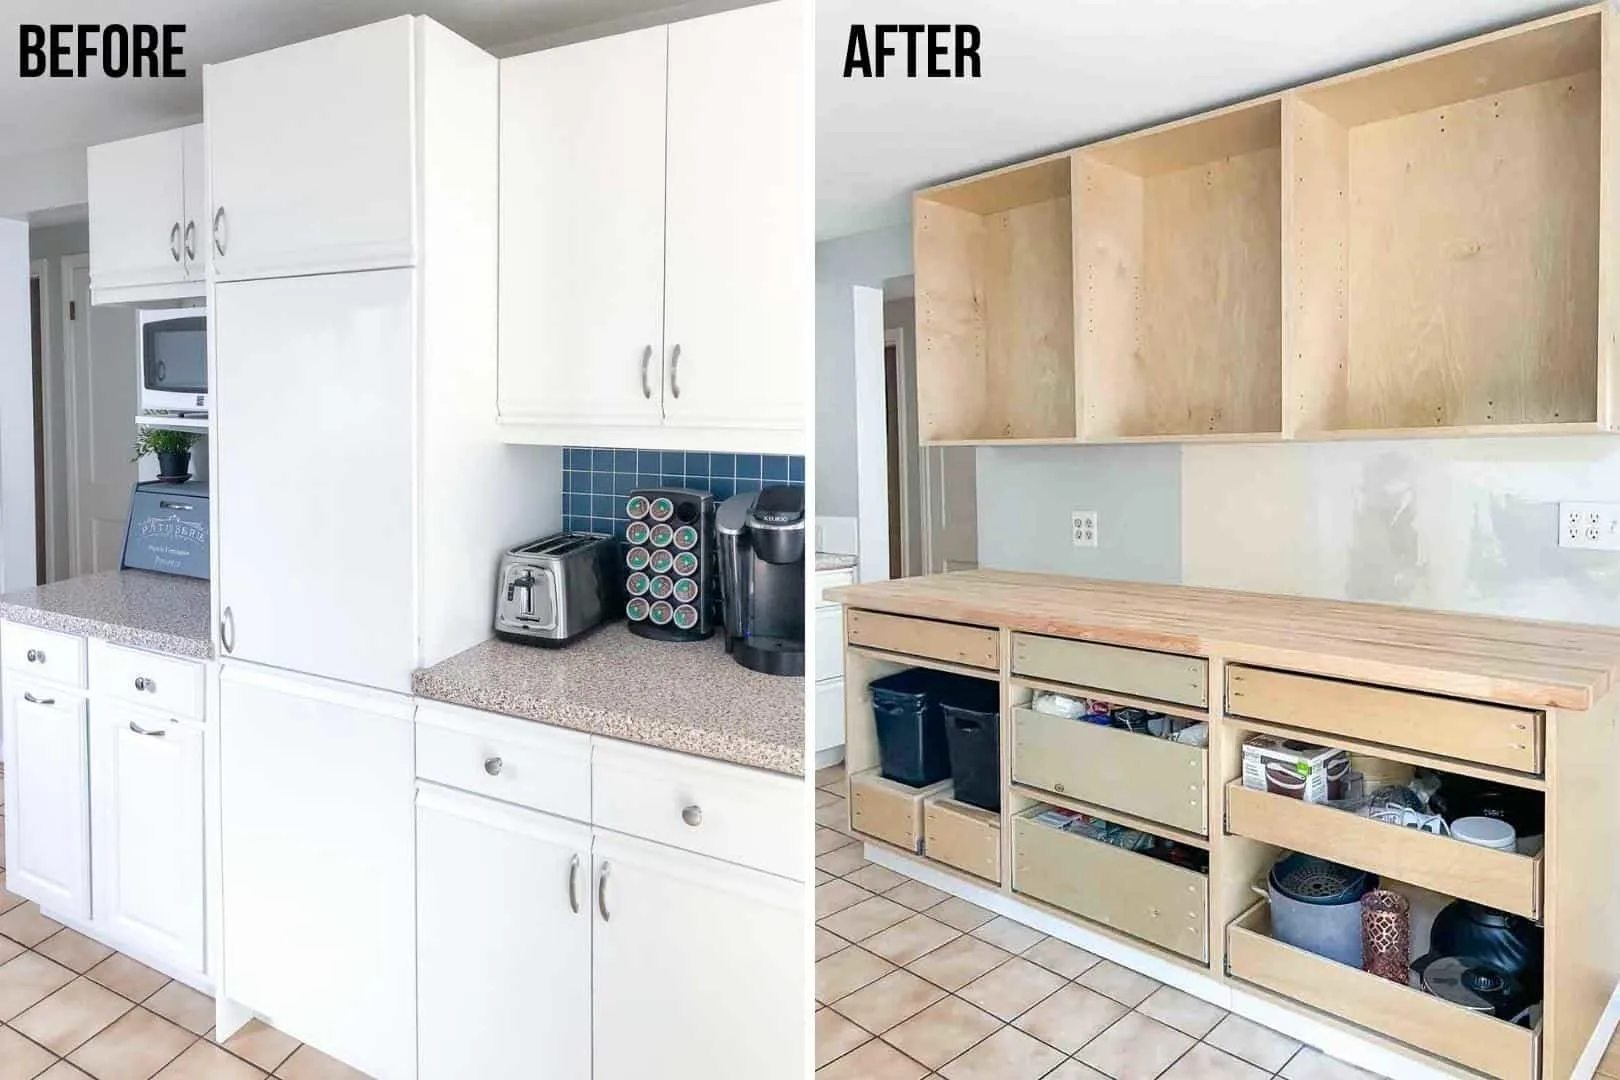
[864,259]
[16,412]
[42,181]
[1451,524]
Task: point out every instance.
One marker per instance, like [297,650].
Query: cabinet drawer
[1465,730]
[729,812]
[890,811]
[162,683]
[973,646]
[831,579]
[1480,1042]
[517,761]
[1160,676]
[1142,896]
[963,836]
[1498,879]
[829,643]
[1138,774]
[43,654]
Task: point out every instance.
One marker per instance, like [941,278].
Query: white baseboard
[1300,1024]
[830,756]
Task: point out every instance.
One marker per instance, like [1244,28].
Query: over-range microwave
[173,358]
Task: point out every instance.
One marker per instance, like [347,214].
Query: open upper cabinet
[1411,249]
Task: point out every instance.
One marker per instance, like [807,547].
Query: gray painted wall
[864,259]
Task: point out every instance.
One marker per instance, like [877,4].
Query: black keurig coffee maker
[761,540]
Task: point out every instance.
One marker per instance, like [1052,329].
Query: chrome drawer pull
[156,733]
[693,815]
[601,890]
[573,884]
[646,358]
[493,766]
[36,656]
[143,684]
[32,700]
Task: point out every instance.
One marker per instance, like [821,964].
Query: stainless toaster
[551,590]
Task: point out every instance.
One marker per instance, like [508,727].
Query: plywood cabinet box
[1524,705]
[655,257]
[148,217]
[1410,249]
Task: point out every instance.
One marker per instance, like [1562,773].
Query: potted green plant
[173,450]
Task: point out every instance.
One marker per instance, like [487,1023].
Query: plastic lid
[1486,832]
[1317,881]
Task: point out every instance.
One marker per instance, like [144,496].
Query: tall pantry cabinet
[362,496]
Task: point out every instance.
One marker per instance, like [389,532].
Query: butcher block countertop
[1512,661]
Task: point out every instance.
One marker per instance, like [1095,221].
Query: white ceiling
[38,115]
[1058,73]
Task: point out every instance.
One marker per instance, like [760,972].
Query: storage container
[912,748]
[973,735]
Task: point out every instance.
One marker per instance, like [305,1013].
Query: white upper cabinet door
[194,223]
[319,871]
[699,967]
[582,233]
[503,909]
[137,211]
[739,268]
[47,798]
[146,804]
[311,152]
[314,454]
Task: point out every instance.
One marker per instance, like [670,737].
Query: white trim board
[871,435]
[1301,1024]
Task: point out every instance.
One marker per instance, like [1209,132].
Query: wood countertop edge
[1576,688]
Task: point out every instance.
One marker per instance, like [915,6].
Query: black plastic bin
[910,729]
[972,718]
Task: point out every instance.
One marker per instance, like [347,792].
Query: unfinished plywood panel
[995,307]
[1443,243]
[1178,255]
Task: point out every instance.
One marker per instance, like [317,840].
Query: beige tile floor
[72,1009]
[911,983]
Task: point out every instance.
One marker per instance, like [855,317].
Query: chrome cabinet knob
[693,815]
[143,684]
[35,656]
[493,766]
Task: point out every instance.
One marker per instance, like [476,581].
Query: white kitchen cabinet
[47,796]
[504,922]
[318,835]
[314,456]
[146,798]
[698,966]
[582,213]
[738,273]
[147,207]
[655,218]
[311,152]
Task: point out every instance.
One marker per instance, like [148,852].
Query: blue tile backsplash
[596,483]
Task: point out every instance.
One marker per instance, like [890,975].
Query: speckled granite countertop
[160,612]
[687,697]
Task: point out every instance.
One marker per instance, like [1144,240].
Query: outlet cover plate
[1595,526]
[1084,528]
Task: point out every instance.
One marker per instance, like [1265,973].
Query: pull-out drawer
[1465,730]
[43,654]
[1498,879]
[963,836]
[972,646]
[1472,1039]
[890,811]
[1160,676]
[166,684]
[1149,777]
[1154,900]
[516,761]
[730,812]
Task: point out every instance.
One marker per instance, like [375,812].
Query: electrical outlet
[1084,524]
[1589,525]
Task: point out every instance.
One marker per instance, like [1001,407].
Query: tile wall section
[596,483]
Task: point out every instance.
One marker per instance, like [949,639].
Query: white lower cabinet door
[698,966]
[47,854]
[503,940]
[317,833]
[146,805]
